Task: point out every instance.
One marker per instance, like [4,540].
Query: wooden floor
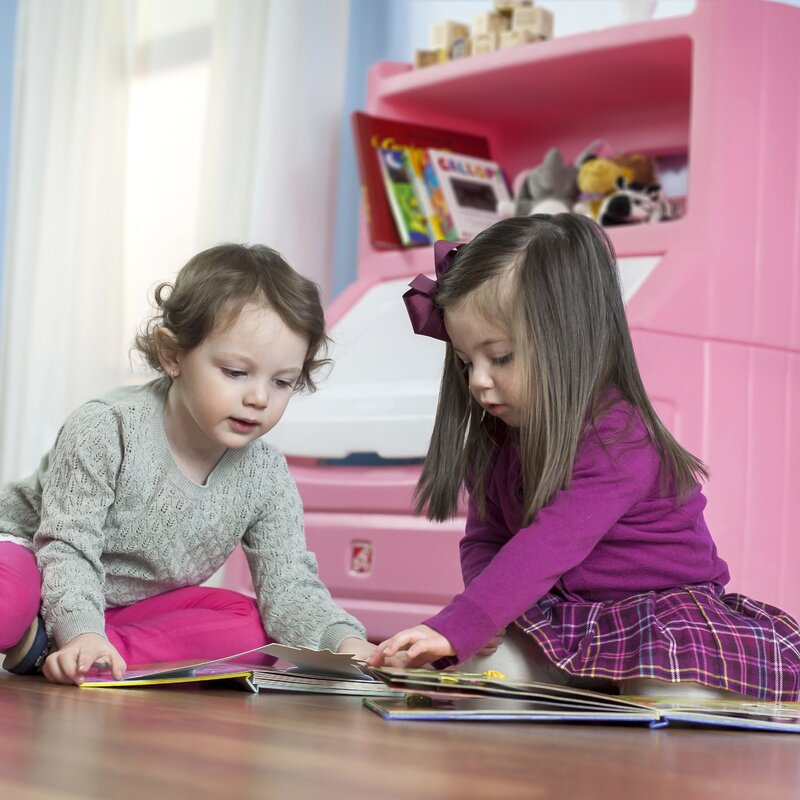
[64,742]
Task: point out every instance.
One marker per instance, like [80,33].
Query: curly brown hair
[213,287]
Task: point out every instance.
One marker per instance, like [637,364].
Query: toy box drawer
[389,571]
[372,489]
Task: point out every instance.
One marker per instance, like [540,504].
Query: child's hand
[423,644]
[364,650]
[76,658]
[360,648]
[492,644]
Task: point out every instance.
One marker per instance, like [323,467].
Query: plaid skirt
[691,633]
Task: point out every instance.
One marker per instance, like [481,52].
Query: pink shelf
[603,72]
[630,85]
[628,240]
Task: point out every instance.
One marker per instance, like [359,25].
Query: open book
[429,695]
[315,671]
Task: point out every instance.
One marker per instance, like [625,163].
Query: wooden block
[444,34]
[535,19]
[490,22]
[515,37]
[424,58]
[485,43]
[509,5]
[460,48]
[533,34]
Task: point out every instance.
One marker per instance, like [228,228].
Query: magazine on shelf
[314,671]
[423,694]
[371,133]
[471,189]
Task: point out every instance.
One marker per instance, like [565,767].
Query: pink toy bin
[713,298]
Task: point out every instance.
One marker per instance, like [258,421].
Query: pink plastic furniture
[713,298]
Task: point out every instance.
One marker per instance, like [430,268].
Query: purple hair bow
[426,317]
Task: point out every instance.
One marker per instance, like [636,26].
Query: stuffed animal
[548,188]
[643,168]
[598,176]
[635,202]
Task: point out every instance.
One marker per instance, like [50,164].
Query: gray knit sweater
[113,520]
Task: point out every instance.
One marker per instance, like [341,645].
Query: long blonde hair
[552,283]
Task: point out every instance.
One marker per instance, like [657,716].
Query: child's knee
[518,657]
[20,593]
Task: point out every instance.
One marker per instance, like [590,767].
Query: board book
[417,163]
[471,187]
[314,671]
[404,199]
[430,695]
[371,133]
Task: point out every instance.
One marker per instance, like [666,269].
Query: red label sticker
[361,558]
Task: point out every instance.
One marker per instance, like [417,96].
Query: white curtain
[60,341]
[268,174]
[275,112]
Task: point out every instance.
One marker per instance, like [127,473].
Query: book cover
[317,671]
[229,675]
[417,161]
[407,211]
[472,189]
[431,695]
[371,133]
[444,218]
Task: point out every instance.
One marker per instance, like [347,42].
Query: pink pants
[190,623]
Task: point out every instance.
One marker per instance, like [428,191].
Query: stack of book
[424,694]
[422,184]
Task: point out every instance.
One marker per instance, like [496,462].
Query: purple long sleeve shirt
[608,536]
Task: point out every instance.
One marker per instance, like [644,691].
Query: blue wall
[379,30]
[367,42]
[8,16]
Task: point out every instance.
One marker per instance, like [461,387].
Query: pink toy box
[713,297]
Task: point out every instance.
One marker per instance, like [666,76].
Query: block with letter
[535,20]
[485,43]
[451,37]
[489,22]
